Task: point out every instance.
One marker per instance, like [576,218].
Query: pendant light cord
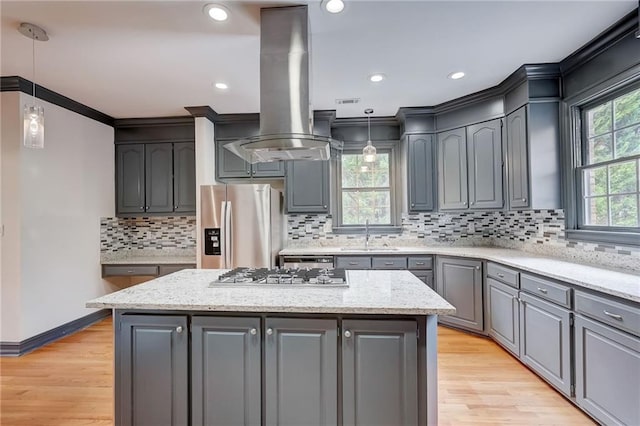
[33,63]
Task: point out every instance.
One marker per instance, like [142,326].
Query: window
[365,189]
[608,177]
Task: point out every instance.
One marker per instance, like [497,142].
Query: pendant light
[33,133]
[369,151]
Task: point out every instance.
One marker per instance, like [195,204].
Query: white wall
[62,192]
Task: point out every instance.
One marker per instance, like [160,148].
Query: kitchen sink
[361,249]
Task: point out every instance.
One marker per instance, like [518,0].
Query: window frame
[574,111]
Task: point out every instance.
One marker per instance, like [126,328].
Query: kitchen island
[189,353]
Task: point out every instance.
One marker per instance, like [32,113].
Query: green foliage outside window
[366,190]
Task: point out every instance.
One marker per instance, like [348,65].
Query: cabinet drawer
[504,274]
[169,269]
[420,262]
[129,270]
[379,262]
[622,316]
[545,289]
[353,262]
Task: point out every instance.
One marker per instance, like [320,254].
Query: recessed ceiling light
[216,12]
[222,86]
[456,75]
[333,6]
[377,77]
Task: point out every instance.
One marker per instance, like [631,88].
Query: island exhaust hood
[285,120]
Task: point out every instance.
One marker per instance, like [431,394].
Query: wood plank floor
[70,383]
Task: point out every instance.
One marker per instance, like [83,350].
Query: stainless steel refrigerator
[241,225]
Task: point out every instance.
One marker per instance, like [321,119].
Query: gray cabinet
[459,281]
[229,165]
[130,185]
[379,373]
[425,276]
[158,178]
[517,159]
[184,177]
[301,371]
[607,372]
[504,315]
[545,340]
[225,371]
[470,167]
[353,262]
[307,186]
[152,366]
[421,176]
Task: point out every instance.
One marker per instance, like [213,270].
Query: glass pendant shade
[33,126]
[369,153]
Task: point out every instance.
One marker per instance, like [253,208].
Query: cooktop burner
[295,276]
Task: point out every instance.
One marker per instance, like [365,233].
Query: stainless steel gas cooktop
[299,277]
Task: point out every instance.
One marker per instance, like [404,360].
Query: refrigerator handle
[229,228]
[227,235]
[224,236]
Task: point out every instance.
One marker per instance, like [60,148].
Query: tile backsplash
[117,234]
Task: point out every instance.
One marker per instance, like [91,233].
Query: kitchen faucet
[366,230]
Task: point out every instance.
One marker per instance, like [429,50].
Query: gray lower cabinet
[421,176]
[307,186]
[459,281]
[425,276]
[545,340]
[301,372]
[504,315]
[517,159]
[379,373]
[158,178]
[607,372]
[184,177]
[225,371]
[152,366]
[130,185]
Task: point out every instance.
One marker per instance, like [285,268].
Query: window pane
[350,171]
[627,109]
[628,141]
[359,206]
[622,177]
[595,181]
[358,174]
[595,211]
[599,120]
[624,210]
[600,149]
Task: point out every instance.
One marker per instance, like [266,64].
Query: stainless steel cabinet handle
[179,329]
[473,202]
[388,263]
[464,204]
[130,271]
[542,290]
[324,207]
[254,172]
[524,200]
[269,331]
[141,207]
[175,207]
[248,172]
[253,331]
[614,316]
[420,263]
[477,268]
[347,334]
[501,275]
[146,208]
[353,263]
[413,205]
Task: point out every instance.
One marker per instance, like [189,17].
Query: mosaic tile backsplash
[117,234]
[535,231]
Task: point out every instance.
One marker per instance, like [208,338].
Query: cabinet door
[159,177]
[271,169]
[307,186]
[225,371]
[379,373]
[301,372]
[420,169]
[545,340]
[130,178]
[229,165]
[452,169]
[504,315]
[184,182]
[459,281]
[425,276]
[484,144]
[153,371]
[607,372]
[517,159]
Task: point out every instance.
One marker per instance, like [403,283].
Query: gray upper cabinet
[301,372]
[229,165]
[272,169]
[223,350]
[484,160]
[379,373]
[152,366]
[459,281]
[504,315]
[159,178]
[517,159]
[452,170]
[184,177]
[307,186]
[130,178]
[420,172]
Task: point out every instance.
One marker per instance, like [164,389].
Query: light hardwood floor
[70,381]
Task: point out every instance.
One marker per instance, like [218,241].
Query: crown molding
[362,121]
[153,121]
[203,111]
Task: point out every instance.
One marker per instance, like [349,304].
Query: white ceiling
[152,58]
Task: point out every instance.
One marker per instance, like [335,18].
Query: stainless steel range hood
[285,119]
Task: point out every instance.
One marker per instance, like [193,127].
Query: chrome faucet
[366,237]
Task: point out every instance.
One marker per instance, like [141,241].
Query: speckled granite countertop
[149,257]
[618,283]
[369,292]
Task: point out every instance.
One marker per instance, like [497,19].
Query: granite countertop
[149,257]
[369,292]
[620,283]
